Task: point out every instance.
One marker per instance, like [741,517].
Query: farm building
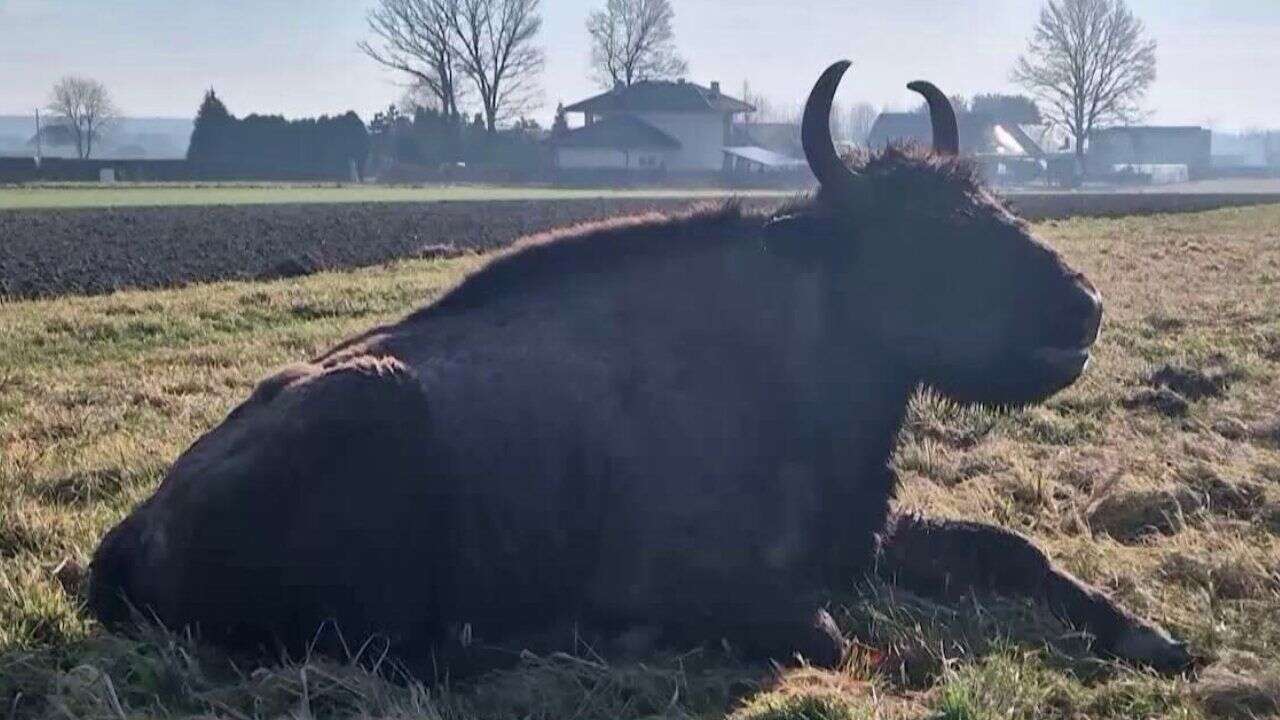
[769,147]
[1009,152]
[651,125]
[782,138]
[1147,146]
[751,159]
[975,130]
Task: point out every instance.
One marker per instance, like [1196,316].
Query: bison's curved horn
[946,135]
[815,133]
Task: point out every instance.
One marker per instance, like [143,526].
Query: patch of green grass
[88,195]
[803,707]
[958,704]
[1014,685]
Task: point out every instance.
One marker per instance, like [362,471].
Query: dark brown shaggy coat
[676,422]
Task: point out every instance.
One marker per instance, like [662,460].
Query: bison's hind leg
[948,558]
[781,633]
[111,575]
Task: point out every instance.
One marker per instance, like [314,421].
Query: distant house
[1147,146]
[767,147]
[782,138]
[674,126]
[976,131]
[1007,151]
[54,135]
[980,134]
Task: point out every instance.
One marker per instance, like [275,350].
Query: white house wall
[570,158]
[701,137]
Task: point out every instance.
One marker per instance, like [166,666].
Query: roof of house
[781,138]
[1014,139]
[663,96]
[766,158]
[975,130]
[623,132]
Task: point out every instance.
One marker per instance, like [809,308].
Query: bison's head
[929,265]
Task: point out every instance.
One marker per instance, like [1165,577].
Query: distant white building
[652,125]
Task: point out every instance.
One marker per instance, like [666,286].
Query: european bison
[678,423]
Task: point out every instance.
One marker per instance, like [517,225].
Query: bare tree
[766,110]
[763,107]
[1089,62]
[862,116]
[632,40]
[496,50]
[838,121]
[748,117]
[416,38]
[86,109]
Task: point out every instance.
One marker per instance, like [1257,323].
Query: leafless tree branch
[862,116]
[86,107]
[632,40]
[496,50]
[415,38]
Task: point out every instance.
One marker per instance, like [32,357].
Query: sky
[1217,58]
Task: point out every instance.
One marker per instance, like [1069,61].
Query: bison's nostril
[1075,317]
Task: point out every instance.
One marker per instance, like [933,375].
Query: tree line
[424,136]
[324,145]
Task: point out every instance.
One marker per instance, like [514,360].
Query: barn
[1148,148]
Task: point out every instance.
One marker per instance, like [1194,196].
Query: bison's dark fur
[679,423]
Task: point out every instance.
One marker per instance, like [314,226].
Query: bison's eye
[801,237]
[784,226]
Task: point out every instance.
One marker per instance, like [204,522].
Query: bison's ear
[804,238]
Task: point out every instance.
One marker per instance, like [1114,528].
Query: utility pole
[39,140]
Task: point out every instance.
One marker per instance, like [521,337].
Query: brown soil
[94,251]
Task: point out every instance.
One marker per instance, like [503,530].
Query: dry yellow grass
[1163,487]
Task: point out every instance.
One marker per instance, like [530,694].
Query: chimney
[715,88]
[618,86]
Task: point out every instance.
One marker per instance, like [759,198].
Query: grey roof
[781,138]
[975,130]
[623,132]
[1022,142]
[663,96]
[767,158]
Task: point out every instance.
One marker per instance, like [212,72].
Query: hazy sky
[1217,58]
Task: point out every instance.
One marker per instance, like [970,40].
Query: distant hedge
[20,170]
[324,146]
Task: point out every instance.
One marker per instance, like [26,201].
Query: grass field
[75,195]
[1156,477]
